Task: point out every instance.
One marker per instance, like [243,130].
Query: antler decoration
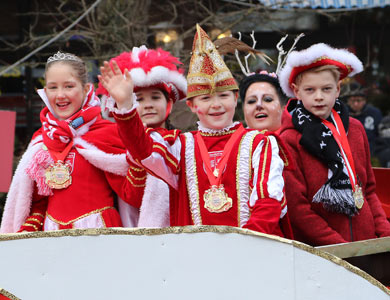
[282,53]
[233,46]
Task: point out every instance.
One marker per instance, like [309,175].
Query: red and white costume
[158,69]
[98,167]
[252,177]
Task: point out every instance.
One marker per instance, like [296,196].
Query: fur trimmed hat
[152,68]
[207,72]
[315,56]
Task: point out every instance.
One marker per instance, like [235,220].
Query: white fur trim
[157,75]
[192,179]
[307,56]
[113,163]
[19,197]
[154,210]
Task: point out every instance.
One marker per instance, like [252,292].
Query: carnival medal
[58,175]
[358,196]
[216,200]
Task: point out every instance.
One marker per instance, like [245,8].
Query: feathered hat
[207,72]
[317,55]
[152,68]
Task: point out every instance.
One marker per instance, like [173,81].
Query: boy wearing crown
[221,174]
[331,192]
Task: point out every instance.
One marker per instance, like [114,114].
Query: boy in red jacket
[331,192]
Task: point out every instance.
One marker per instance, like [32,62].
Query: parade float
[202,262]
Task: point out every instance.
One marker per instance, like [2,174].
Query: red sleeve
[265,216]
[382,225]
[131,187]
[34,221]
[305,221]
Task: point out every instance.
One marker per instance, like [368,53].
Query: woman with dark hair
[262,101]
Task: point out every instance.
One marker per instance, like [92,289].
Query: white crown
[63,56]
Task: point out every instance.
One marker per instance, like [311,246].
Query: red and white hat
[315,56]
[152,68]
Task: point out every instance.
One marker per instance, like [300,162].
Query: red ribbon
[224,158]
[342,141]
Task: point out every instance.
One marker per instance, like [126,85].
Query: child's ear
[190,104]
[338,88]
[295,89]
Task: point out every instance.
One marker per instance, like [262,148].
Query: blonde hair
[334,70]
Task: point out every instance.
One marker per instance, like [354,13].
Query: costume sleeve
[304,220]
[149,149]
[34,222]
[382,225]
[267,194]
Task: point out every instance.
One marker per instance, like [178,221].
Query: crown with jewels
[63,56]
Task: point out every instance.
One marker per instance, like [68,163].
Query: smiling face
[318,92]
[65,91]
[262,107]
[152,107]
[214,111]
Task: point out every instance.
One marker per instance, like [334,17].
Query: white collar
[216,131]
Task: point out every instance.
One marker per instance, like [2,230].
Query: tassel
[36,170]
[336,200]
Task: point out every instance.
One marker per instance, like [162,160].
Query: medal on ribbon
[57,175]
[342,141]
[216,199]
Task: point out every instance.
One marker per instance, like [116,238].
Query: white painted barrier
[207,262]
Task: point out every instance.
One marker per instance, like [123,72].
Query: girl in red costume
[75,162]
[331,192]
[158,84]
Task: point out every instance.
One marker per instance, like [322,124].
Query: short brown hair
[334,70]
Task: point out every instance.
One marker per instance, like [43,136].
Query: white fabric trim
[192,178]
[129,214]
[154,210]
[110,105]
[275,183]
[90,221]
[216,131]
[156,163]
[243,172]
[307,56]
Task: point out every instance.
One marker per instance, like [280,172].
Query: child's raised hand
[118,86]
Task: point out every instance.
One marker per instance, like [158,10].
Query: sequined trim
[243,176]
[30,225]
[192,179]
[136,177]
[8,294]
[263,168]
[132,115]
[38,214]
[83,216]
[32,219]
[166,154]
[136,169]
[133,184]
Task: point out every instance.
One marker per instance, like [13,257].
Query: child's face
[64,90]
[152,107]
[214,111]
[318,92]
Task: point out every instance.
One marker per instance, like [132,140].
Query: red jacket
[311,223]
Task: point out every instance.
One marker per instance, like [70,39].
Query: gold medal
[358,197]
[216,200]
[58,176]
